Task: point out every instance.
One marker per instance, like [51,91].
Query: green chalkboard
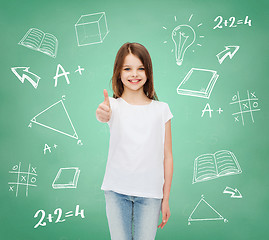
[56,59]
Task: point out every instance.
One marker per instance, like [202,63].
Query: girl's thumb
[106,100]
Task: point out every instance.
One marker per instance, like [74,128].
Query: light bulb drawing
[183,37]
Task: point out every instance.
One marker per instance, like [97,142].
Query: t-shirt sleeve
[167,113]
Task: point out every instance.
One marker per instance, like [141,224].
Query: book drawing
[66,178]
[40,41]
[211,166]
[198,83]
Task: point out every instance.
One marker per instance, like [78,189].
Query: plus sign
[220,110]
[226,23]
[50,217]
[79,70]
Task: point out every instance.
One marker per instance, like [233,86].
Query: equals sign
[69,214]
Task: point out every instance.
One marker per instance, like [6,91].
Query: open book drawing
[40,41]
[219,164]
[198,83]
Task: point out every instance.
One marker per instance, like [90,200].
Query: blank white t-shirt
[135,164]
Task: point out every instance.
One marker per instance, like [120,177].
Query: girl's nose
[134,73]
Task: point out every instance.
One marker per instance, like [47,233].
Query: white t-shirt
[135,164]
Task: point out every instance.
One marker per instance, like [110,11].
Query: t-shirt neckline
[136,105]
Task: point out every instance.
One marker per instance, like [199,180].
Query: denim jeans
[131,217]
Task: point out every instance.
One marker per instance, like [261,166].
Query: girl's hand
[165,213]
[103,112]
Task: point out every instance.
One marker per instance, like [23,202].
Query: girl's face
[133,75]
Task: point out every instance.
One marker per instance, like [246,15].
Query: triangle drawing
[56,118]
[204,212]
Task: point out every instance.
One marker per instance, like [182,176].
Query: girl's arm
[168,173]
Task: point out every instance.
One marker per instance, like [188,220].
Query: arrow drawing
[234,192]
[23,73]
[229,51]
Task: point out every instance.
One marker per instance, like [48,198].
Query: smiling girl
[139,168]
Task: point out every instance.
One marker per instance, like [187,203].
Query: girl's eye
[142,68]
[127,69]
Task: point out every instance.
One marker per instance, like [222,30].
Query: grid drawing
[23,178]
[246,106]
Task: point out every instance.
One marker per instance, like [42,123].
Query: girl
[139,168]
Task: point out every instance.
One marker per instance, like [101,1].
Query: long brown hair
[142,53]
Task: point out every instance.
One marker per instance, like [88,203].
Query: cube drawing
[91,29]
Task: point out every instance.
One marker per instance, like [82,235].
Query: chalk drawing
[22,178]
[183,37]
[64,73]
[234,192]
[229,51]
[66,178]
[219,110]
[40,41]
[198,83]
[211,166]
[208,109]
[23,73]
[59,112]
[58,218]
[204,212]
[91,29]
[245,107]
[80,70]
[231,23]
[47,147]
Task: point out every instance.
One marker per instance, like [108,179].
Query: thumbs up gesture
[103,112]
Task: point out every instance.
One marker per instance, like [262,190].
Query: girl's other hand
[103,112]
[165,213]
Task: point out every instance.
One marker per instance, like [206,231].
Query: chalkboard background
[149,23]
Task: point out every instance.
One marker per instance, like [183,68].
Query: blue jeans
[124,212]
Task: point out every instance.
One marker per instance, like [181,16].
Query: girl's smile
[134,81]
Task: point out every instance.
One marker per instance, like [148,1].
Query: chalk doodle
[23,73]
[58,212]
[79,70]
[47,147]
[56,118]
[66,178]
[183,37]
[91,29]
[22,178]
[229,51]
[64,73]
[231,22]
[234,192]
[198,83]
[245,107]
[40,41]
[208,109]
[203,211]
[211,166]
